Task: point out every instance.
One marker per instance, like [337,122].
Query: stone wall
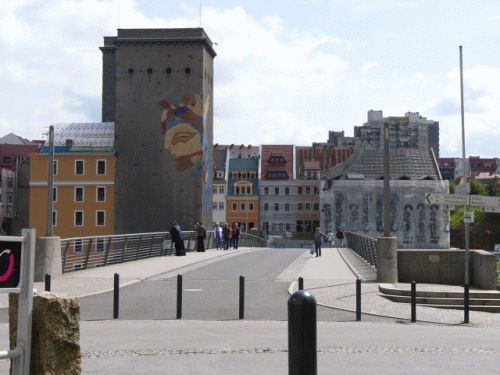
[55,340]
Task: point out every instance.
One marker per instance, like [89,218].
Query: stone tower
[158,89]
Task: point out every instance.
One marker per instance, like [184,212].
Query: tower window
[187,70]
[169,70]
[150,71]
[130,71]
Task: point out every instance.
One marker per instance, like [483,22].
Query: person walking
[177,238]
[236,235]
[225,237]
[217,236]
[340,237]
[201,233]
[318,235]
[330,238]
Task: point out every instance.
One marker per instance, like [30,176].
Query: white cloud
[368,66]
[273,84]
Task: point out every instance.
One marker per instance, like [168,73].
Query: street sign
[490,209]
[439,198]
[482,201]
[469,217]
[462,189]
[10,262]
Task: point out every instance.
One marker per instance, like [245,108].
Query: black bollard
[242,297]
[116,296]
[301,283]
[302,339]
[413,302]
[47,282]
[358,299]
[466,303]
[179,296]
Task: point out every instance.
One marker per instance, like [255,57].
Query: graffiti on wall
[183,125]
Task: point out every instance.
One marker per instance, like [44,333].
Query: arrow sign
[482,201]
[439,198]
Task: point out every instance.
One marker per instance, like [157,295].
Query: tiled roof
[404,164]
[243,165]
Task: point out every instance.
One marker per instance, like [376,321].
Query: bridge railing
[364,246]
[81,253]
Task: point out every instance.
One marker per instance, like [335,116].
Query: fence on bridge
[81,253]
[364,246]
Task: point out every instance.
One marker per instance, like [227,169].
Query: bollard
[413,302]
[302,339]
[179,296]
[242,297]
[358,299]
[116,296]
[466,303]
[301,283]
[47,282]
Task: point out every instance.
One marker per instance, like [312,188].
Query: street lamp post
[387,246]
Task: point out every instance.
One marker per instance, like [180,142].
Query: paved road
[211,292]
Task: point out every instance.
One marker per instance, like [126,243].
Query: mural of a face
[183,125]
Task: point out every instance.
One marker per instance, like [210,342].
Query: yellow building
[83,196]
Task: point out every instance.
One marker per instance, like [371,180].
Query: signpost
[488,204]
[17,261]
[449,199]
[462,189]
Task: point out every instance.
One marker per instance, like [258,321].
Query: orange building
[83,196]
[242,199]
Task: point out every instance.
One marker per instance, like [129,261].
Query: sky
[286,72]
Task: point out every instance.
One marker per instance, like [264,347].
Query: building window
[7,160]
[100,218]
[237,190]
[266,191]
[273,227]
[280,227]
[79,167]
[287,191]
[277,191]
[287,207]
[54,195]
[99,245]
[308,190]
[221,206]
[250,206]
[54,218]
[78,245]
[287,226]
[316,190]
[214,206]
[101,167]
[79,194]
[101,194]
[243,206]
[266,206]
[235,206]
[55,167]
[308,206]
[266,226]
[243,174]
[299,190]
[253,175]
[316,206]
[299,206]
[234,175]
[78,218]
[221,189]
[214,189]
[276,207]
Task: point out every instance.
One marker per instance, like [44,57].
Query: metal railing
[81,253]
[364,246]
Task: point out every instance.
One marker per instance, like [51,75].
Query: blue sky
[285,72]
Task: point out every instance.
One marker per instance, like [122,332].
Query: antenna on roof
[200,15]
